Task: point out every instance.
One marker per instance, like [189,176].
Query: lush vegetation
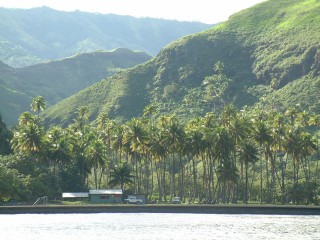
[30,36]
[224,116]
[257,155]
[60,79]
[269,53]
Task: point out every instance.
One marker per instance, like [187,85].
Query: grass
[69,203]
[240,204]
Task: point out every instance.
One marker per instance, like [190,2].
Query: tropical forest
[227,115]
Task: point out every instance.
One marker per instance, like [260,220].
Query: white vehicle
[133,199]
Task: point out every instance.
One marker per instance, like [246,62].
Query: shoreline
[193,209]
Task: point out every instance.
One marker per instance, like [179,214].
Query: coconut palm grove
[256,156]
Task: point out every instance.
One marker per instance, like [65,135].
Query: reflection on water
[157,226]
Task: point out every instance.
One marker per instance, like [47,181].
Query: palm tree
[26,118]
[228,114]
[227,175]
[173,134]
[150,111]
[82,118]
[292,146]
[121,175]
[299,145]
[117,140]
[248,154]
[57,146]
[104,126]
[195,145]
[209,120]
[159,151]
[102,120]
[222,148]
[279,125]
[209,124]
[262,135]
[239,128]
[27,139]
[136,138]
[135,134]
[80,136]
[38,104]
[96,153]
[223,145]
[308,147]
[314,120]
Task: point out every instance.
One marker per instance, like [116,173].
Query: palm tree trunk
[245,199]
[194,179]
[164,179]
[152,176]
[204,178]
[95,173]
[273,185]
[210,180]
[136,171]
[100,178]
[316,181]
[306,169]
[242,180]
[172,179]
[140,174]
[181,177]
[283,187]
[267,175]
[159,179]
[253,179]
[261,180]
[224,192]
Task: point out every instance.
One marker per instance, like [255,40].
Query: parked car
[176,200]
[133,199]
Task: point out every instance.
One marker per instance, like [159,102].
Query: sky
[206,11]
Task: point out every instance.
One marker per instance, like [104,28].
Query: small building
[105,196]
[75,195]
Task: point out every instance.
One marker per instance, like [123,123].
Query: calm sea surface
[157,226]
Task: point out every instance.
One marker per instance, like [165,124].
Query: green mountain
[36,35]
[270,53]
[57,80]
[5,137]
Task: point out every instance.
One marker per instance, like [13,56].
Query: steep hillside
[268,50]
[5,137]
[32,36]
[57,80]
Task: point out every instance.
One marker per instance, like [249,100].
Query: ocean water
[138,226]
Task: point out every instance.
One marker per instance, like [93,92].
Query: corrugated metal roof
[75,195]
[105,191]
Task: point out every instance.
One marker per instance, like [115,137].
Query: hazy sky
[207,11]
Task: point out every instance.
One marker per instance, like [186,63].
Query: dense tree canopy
[236,156]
